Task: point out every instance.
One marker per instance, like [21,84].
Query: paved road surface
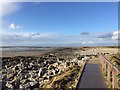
[92,77]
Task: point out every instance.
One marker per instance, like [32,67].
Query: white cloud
[13,26]
[116,35]
[32,36]
[89,42]
[28,39]
[9,8]
[53,39]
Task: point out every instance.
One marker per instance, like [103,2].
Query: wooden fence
[112,73]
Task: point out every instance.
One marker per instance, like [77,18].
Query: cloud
[54,39]
[116,35]
[85,33]
[43,35]
[89,42]
[9,8]
[14,26]
[105,36]
[35,34]
[30,39]
[31,36]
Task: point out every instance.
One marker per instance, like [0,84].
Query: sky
[60,24]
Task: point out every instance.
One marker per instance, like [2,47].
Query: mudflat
[33,52]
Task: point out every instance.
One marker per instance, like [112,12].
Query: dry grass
[68,79]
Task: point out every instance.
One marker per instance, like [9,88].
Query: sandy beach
[22,53]
[29,52]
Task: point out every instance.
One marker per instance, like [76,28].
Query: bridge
[100,73]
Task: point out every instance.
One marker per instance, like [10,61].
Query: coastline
[12,52]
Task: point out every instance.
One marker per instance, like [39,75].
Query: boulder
[9,85]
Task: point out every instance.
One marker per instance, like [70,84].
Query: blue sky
[60,23]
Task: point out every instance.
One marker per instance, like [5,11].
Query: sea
[22,48]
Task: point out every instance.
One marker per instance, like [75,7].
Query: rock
[27,85]
[40,72]
[33,84]
[8,85]
[31,79]
[30,85]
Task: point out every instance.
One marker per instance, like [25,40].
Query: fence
[112,73]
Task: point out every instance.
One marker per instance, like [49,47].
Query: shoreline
[29,52]
[42,50]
